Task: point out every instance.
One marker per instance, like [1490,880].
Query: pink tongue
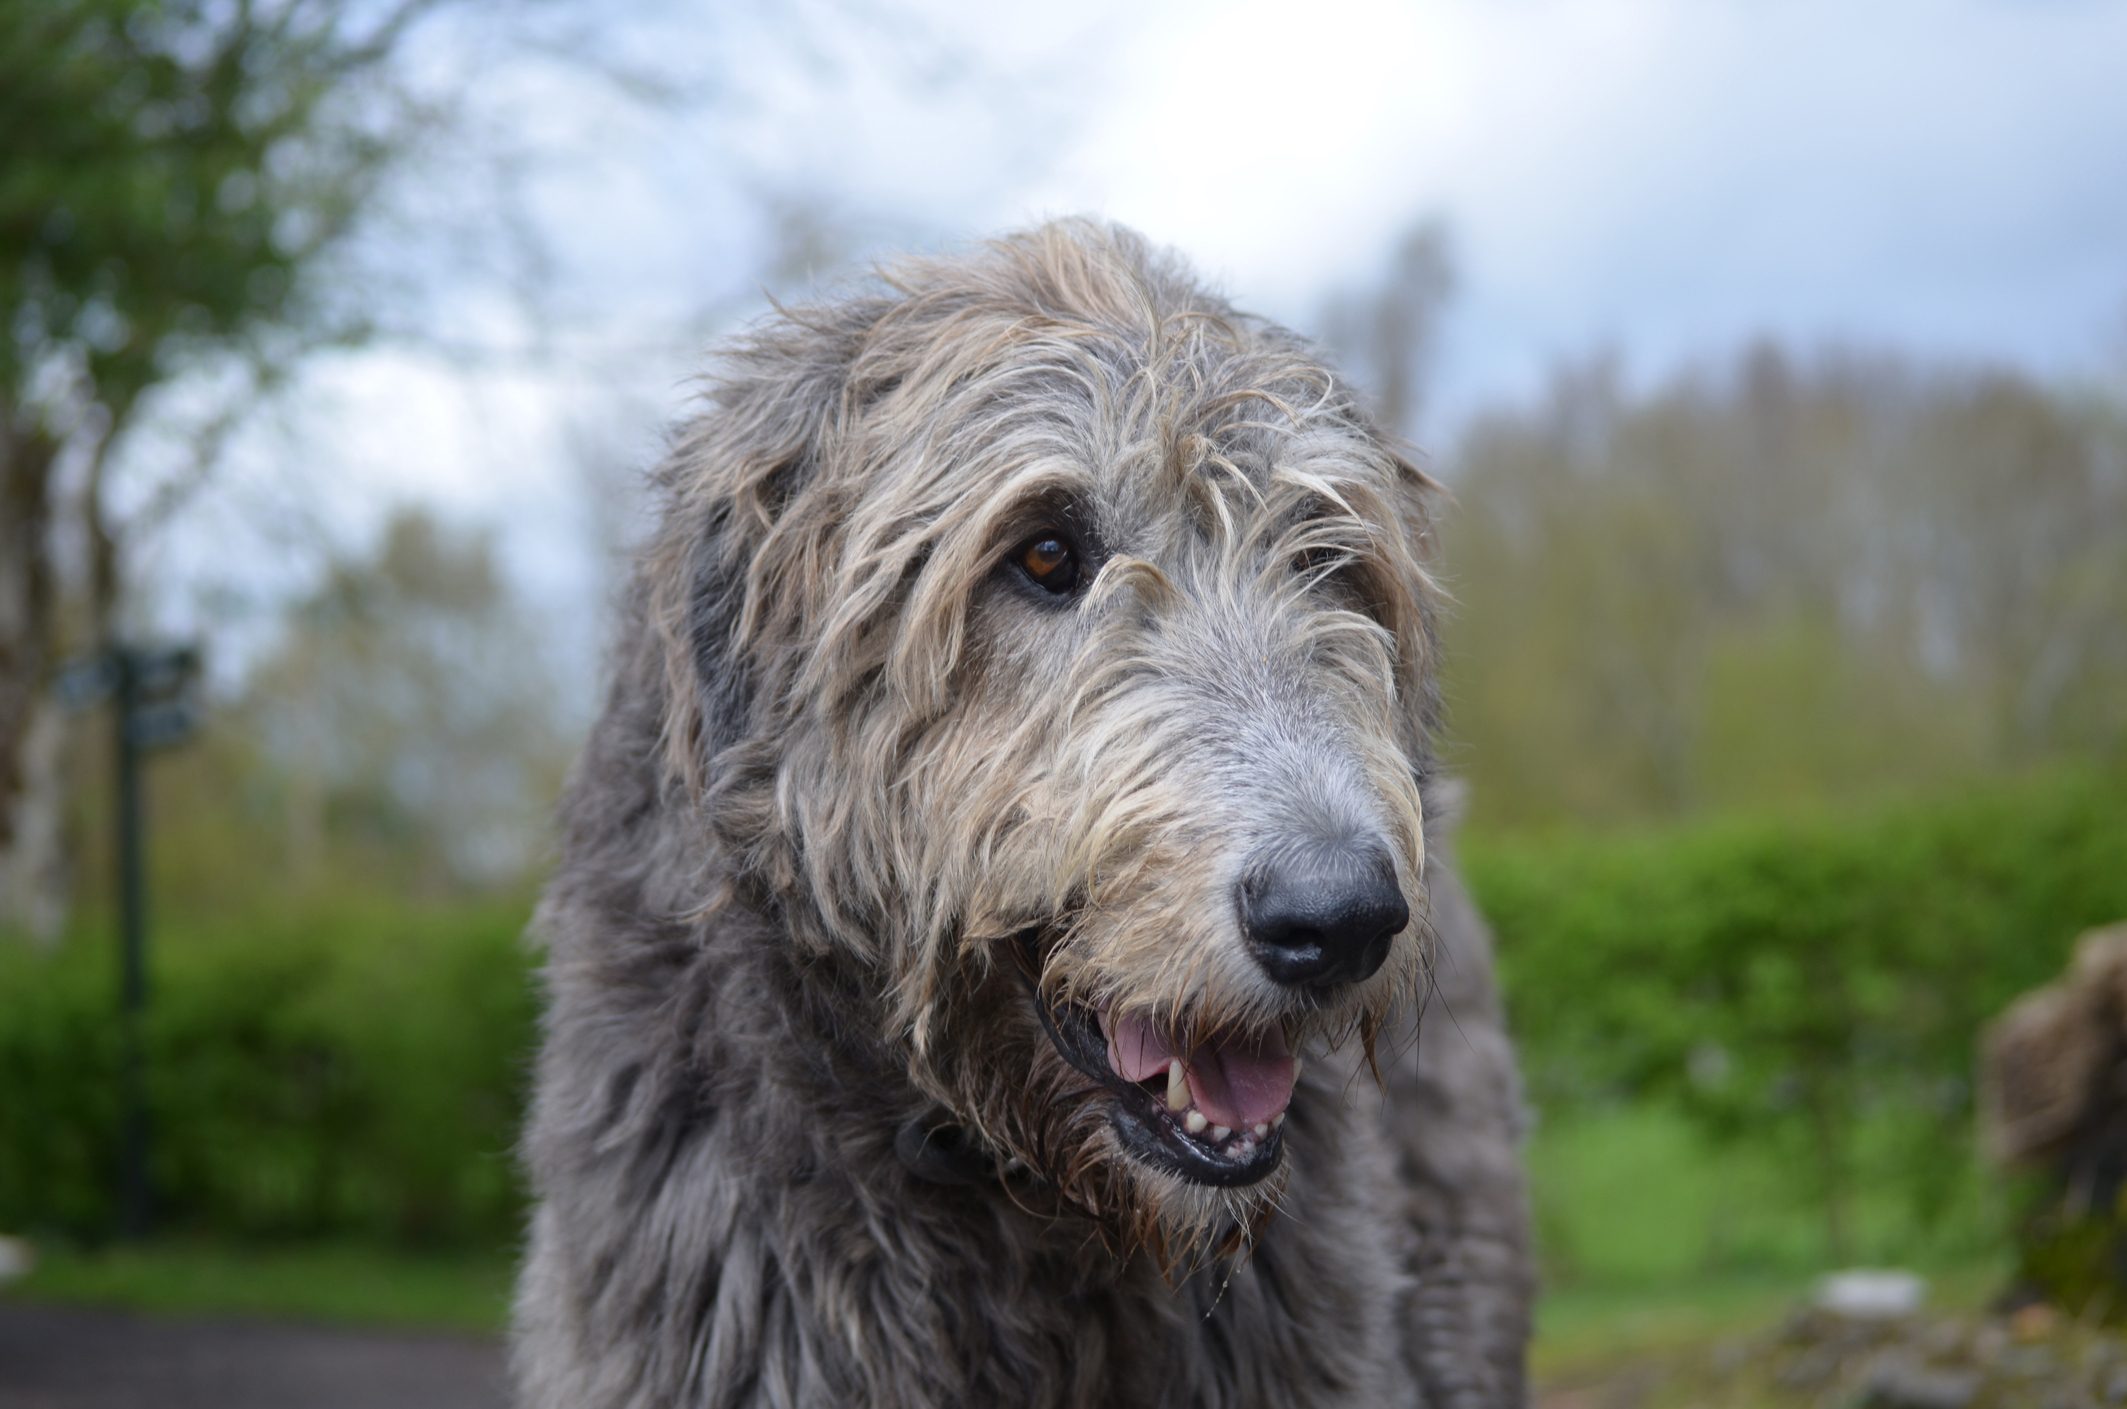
[1235,1081]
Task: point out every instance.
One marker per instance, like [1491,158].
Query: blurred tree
[405,724]
[1385,334]
[1787,579]
[173,177]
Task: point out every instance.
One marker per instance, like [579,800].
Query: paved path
[68,1358]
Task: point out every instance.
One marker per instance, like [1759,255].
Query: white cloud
[1670,177]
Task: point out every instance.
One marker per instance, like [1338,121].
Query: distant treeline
[1781,580]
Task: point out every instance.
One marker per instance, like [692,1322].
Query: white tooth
[1195,1122]
[1277,1120]
[1177,1086]
[1220,1132]
[1259,1129]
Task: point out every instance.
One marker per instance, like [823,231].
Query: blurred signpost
[153,691]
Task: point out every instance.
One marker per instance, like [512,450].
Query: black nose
[1320,916]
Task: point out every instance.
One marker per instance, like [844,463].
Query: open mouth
[1213,1113]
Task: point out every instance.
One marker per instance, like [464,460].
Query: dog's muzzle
[1211,1113]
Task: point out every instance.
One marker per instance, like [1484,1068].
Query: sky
[1666,176]
[1661,180]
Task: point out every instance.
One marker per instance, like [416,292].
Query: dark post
[153,705]
[133,966]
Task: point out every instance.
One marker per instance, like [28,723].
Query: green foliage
[355,1071]
[1808,987]
[168,171]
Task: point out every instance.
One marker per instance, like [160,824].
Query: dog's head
[1056,641]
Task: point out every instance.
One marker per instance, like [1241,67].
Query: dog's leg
[1455,1119]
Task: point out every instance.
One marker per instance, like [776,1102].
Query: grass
[341,1283]
[1659,1245]
[1656,1245]
[1637,1197]
[1591,1330]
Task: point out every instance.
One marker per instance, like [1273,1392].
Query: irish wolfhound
[996,899]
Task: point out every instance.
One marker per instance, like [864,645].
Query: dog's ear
[744,530]
[1418,497]
[1410,501]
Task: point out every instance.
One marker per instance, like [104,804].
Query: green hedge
[358,1075]
[1811,986]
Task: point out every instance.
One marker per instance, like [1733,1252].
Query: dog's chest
[1264,1350]
[1301,1326]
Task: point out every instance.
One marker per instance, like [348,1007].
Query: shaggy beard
[1181,1225]
[1186,1227]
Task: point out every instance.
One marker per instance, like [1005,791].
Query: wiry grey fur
[851,769]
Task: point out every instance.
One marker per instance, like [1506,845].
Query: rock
[17,1257]
[1868,1294]
[1811,1368]
[1896,1383]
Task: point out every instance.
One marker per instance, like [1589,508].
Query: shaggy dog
[997,901]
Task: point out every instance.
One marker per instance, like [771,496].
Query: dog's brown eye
[1050,562]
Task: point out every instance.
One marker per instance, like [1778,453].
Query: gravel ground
[65,1358]
[2036,1359]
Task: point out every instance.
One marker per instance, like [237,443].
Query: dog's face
[1070,665]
